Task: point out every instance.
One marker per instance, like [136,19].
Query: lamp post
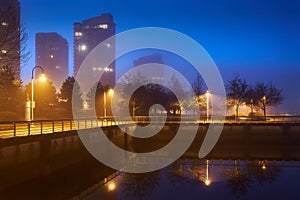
[110,92]
[251,106]
[207,104]
[264,104]
[42,77]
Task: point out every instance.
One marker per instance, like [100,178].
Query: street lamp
[251,106]
[110,92]
[42,78]
[264,104]
[207,104]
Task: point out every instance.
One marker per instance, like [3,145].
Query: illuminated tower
[10,35]
[51,52]
[87,35]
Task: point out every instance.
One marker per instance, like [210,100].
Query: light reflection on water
[207,179]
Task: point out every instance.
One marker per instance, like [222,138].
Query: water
[247,163]
[206,179]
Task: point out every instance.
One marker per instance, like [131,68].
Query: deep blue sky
[259,39]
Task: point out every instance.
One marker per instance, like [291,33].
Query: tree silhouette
[267,95]
[198,85]
[45,98]
[198,103]
[70,95]
[263,171]
[144,95]
[177,90]
[13,39]
[10,92]
[237,91]
[140,185]
[95,98]
[239,181]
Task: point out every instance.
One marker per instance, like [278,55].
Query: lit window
[51,56]
[4,23]
[99,68]
[110,70]
[78,34]
[104,26]
[57,67]
[94,68]
[3,51]
[107,45]
[82,47]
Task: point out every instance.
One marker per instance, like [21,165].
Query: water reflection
[140,185]
[194,178]
[241,177]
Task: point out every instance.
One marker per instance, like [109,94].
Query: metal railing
[10,129]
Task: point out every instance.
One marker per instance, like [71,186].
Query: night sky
[258,39]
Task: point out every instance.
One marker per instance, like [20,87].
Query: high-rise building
[10,36]
[51,52]
[155,75]
[87,35]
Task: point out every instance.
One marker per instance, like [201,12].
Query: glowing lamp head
[42,77]
[111,186]
[207,182]
[110,91]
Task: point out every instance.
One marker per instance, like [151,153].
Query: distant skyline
[257,39]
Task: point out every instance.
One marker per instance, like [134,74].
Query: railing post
[41,127]
[71,124]
[85,124]
[53,127]
[78,124]
[62,126]
[91,123]
[28,126]
[15,129]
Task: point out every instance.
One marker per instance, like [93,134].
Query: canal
[247,163]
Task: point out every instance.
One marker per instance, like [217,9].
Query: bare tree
[198,88]
[237,92]
[198,85]
[13,38]
[70,96]
[267,95]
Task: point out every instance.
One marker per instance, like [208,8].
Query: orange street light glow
[42,77]
[111,186]
[111,92]
[207,182]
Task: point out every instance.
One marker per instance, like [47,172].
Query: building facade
[10,36]
[87,35]
[51,52]
[154,75]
